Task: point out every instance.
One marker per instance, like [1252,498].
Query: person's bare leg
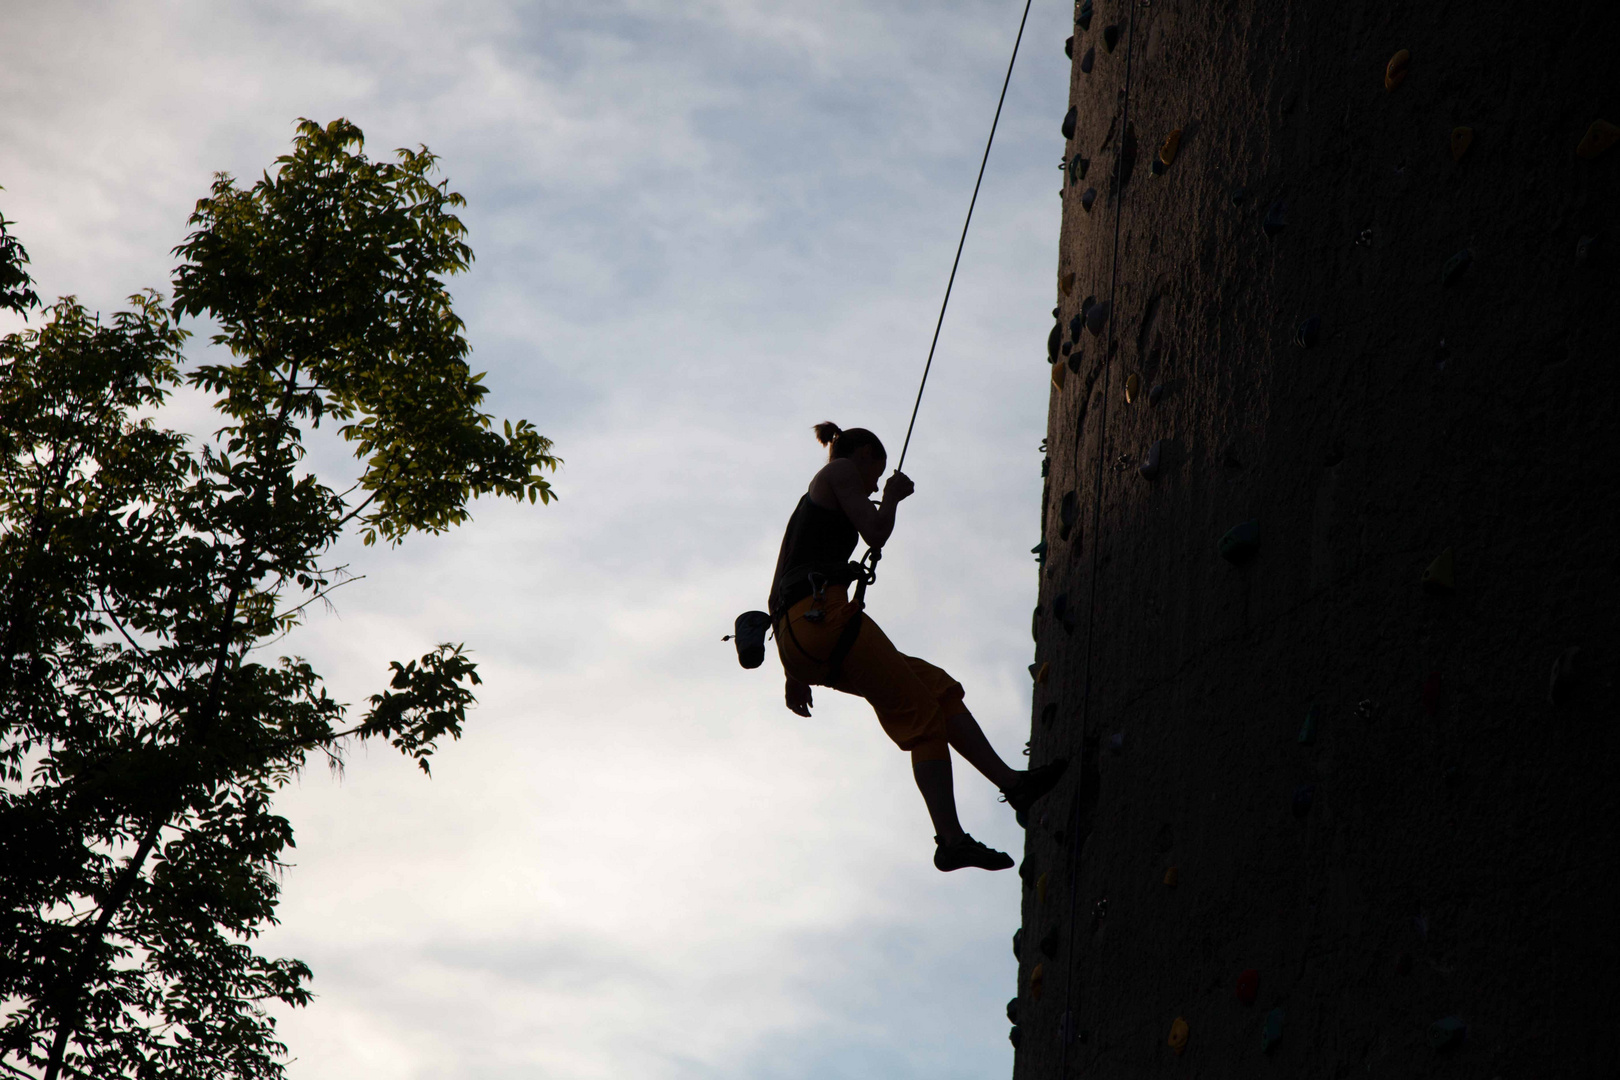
[934,781]
[967,738]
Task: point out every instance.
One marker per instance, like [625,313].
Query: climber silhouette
[824,639]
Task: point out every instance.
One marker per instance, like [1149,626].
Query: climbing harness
[864,573]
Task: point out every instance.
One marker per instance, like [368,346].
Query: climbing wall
[1328,606]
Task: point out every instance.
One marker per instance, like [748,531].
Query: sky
[700,227]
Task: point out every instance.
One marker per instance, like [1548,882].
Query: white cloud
[700,228]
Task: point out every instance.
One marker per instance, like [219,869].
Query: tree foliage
[142,734]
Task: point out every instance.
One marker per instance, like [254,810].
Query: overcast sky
[700,228]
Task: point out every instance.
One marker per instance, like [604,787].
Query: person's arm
[874,523]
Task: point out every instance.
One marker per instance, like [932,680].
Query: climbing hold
[1068,47]
[1042,672]
[1059,373]
[1083,18]
[1049,714]
[1598,138]
[1068,514]
[1097,317]
[1461,139]
[1456,266]
[1309,332]
[1133,385]
[1066,282]
[1271,1034]
[1170,877]
[1366,708]
[1240,542]
[1178,1035]
[1447,1033]
[1156,394]
[1046,466]
[1037,981]
[1150,468]
[1087,61]
[1069,119]
[1060,605]
[1049,943]
[1015,1036]
[1035,624]
[1039,551]
[1432,694]
[1018,939]
[1364,238]
[1239,194]
[1440,578]
[1165,839]
[1077,168]
[1248,986]
[1395,70]
[1584,247]
[1116,743]
[1053,340]
[1565,669]
[1276,218]
[1304,796]
[1088,197]
[1040,889]
[1012,1011]
[1167,152]
[1110,37]
[1307,730]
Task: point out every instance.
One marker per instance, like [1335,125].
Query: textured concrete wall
[1457,855]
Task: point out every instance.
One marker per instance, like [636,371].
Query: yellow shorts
[912,698]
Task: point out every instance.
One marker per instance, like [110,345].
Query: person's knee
[930,750]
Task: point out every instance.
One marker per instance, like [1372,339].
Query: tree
[141,574]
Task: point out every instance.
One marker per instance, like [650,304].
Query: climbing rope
[1069,1034]
[957,261]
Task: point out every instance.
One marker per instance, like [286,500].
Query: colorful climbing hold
[1110,37]
[1178,1035]
[1248,986]
[1239,194]
[1012,1011]
[1087,198]
[1068,514]
[1156,394]
[1304,796]
[1042,672]
[1069,119]
[1170,877]
[1068,47]
[1077,168]
[1309,332]
[1059,374]
[1440,578]
[1066,282]
[1447,1033]
[1049,943]
[1432,693]
[1461,139]
[1018,938]
[1088,61]
[1133,385]
[1037,981]
[1015,1036]
[1039,551]
[1271,1033]
[1150,467]
[1083,18]
[1456,267]
[1395,70]
[1307,730]
[1167,152]
[1276,218]
[1598,138]
[1097,317]
[1240,542]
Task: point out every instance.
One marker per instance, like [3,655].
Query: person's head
[860,446]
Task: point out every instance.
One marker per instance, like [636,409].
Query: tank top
[817,539]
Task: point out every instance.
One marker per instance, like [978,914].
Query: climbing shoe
[969,852]
[1030,786]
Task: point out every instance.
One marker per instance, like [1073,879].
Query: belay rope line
[749,630]
[869,561]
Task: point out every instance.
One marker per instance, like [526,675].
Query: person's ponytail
[843,442]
